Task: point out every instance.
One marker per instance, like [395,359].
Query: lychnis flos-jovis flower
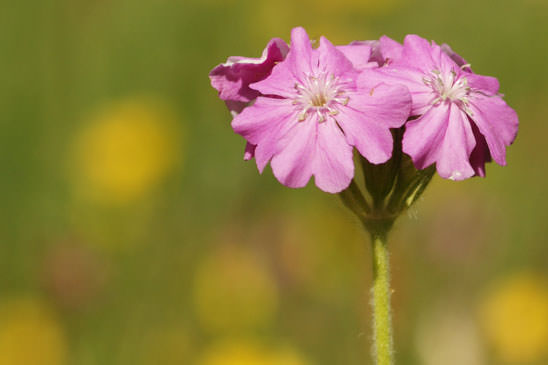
[402,107]
[304,109]
[312,111]
[461,119]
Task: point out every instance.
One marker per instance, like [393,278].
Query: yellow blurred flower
[234,290]
[240,353]
[126,149]
[30,335]
[514,316]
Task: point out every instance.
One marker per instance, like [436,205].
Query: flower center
[319,95]
[448,87]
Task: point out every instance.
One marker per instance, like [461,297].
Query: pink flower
[462,121]
[312,113]
[232,78]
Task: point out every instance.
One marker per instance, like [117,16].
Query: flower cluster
[305,109]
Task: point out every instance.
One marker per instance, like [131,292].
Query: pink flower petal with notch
[333,165]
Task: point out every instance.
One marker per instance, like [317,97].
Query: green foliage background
[141,266]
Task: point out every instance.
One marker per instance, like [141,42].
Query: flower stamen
[449,87]
[319,95]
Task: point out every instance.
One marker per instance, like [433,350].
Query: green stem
[382,322]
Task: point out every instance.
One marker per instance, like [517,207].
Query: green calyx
[389,189]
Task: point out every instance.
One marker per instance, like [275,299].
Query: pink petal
[229,85]
[358,53]
[408,77]
[232,78]
[300,57]
[455,57]
[235,107]
[390,49]
[417,51]
[286,74]
[496,121]
[411,78]
[453,161]
[368,117]
[281,82]
[249,151]
[423,136]
[422,101]
[332,60]
[442,61]
[376,56]
[387,105]
[480,155]
[264,152]
[333,163]
[283,48]
[485,84]
[274,142]
[264,125]
[372,139]
[264,119]
[293,165]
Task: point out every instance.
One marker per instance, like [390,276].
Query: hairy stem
[382,322]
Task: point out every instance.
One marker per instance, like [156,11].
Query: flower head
[232,78]
[312,112]
[462,121]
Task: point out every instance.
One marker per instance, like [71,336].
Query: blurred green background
[131,231]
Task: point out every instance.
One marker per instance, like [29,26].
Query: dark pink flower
[462,121]
[313,111]
[232,79]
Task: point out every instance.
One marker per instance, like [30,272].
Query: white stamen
[449,87]
[320,94]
